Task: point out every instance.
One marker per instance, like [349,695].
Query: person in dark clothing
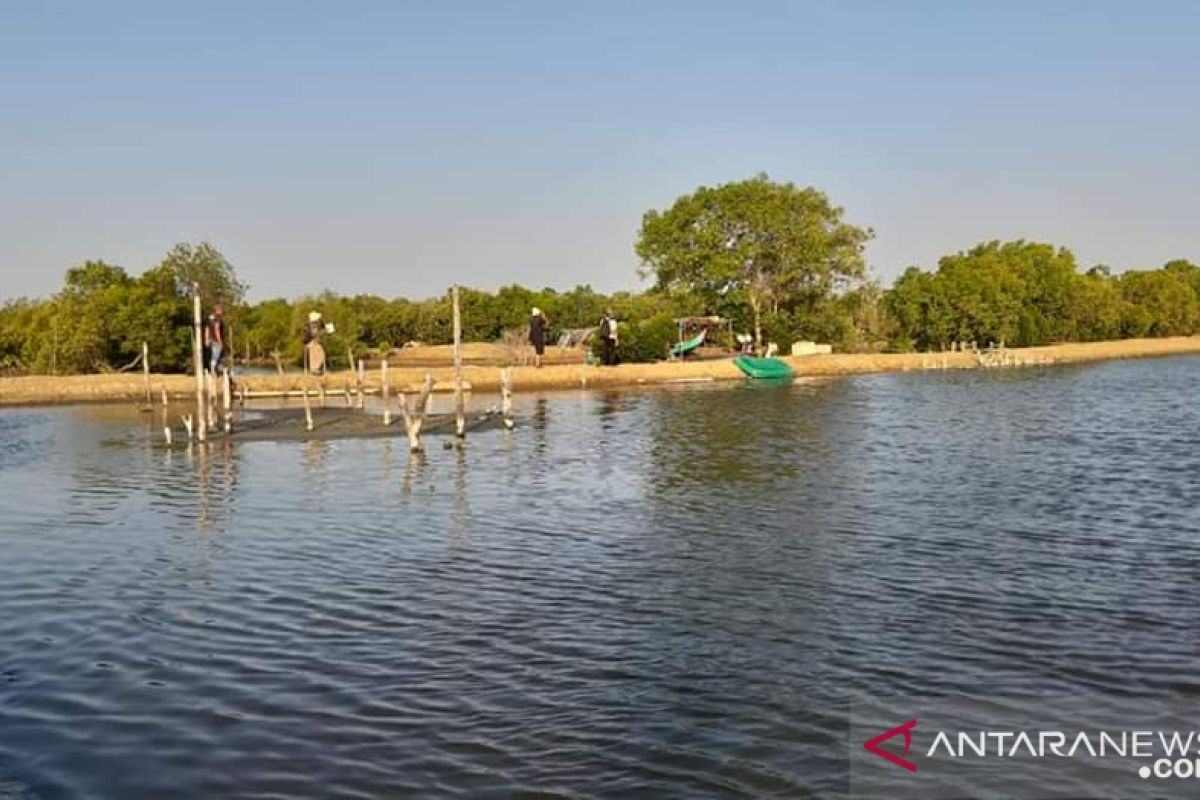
[537,335]
[608,339]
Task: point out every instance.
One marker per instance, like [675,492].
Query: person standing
[314,349]
[608,339]
[537,335]
[214,335]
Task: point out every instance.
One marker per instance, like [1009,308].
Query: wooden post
[346,391]
[198,361]
[211,383]
[359,385]
[167,434]
[506,396]
[413,419]
[321,390]
[146,374]
[460,417]
[187,424]
[383,388]
[227,398]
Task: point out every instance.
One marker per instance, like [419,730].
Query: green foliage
[203,264]
[1023,294]
[719,251]
[643,340]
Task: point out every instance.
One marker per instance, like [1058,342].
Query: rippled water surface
[667,593]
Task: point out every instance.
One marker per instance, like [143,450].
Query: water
[659,593]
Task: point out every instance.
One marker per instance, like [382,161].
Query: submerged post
[460,417]
[383,390]
[198,361]
[506,396]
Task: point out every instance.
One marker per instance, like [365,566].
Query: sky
[395,148]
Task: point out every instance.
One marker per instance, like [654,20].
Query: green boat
[683,348]
[763,367]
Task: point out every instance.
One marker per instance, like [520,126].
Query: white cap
[537,312]
[314,316]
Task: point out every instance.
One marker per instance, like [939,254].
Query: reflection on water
[669,593]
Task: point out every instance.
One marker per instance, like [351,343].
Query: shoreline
[41,390]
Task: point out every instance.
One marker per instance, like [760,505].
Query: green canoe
[763,367]
[683,348]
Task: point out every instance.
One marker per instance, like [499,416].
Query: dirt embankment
[42,389]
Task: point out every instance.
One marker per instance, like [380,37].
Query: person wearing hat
[537,335]
[314,350]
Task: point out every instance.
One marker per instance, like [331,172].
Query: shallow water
[667,593]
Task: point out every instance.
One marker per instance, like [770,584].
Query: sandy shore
[45,390]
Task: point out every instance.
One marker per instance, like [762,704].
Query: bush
[643,341]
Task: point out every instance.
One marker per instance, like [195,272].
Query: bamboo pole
[227,399]
[383,388]
[211,384]
[146,374]
[198,361]
[460,417]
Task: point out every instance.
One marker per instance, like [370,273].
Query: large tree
[769,244]
[204,264]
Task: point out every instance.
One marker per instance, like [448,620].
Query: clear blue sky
[396,147]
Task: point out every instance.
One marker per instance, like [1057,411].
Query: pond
[652,593]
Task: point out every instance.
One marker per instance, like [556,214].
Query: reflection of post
[506,396]
[197,359]
[383,390]
[460,417]
[461,511]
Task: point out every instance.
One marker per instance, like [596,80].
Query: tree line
[780,261]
